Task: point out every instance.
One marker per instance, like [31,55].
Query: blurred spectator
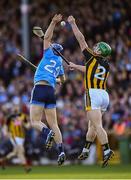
[119,128]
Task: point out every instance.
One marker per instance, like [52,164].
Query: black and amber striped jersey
[97,70]
[15,124]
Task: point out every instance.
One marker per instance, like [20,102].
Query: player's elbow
[83,44]
[82,40]
[46,41]
[46,37]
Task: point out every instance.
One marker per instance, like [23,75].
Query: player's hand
[58,81]
[71,20]
[72,66]
[57,18]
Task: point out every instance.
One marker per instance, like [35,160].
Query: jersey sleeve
[61,71]
[88,54]
[48,52]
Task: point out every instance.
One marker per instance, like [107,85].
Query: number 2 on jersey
[49,67]
[99,74]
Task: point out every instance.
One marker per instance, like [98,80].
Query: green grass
[68,172]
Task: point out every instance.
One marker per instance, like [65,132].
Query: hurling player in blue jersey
[43,94]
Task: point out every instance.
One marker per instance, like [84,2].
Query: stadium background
[99,20]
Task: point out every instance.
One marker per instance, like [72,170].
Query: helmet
[58,47]
[104,48]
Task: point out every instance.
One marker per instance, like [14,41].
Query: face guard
[102,48]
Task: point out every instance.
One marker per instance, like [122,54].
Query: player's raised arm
[79,36]
[49,31]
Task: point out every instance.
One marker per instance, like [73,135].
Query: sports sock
[60,148]
[44,133]
[87,146]
[45,130]
[106,148]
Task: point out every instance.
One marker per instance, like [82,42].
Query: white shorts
[96,99]
[17,141]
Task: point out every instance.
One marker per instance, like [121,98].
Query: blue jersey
[49,68]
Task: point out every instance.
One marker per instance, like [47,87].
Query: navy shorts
[43,95]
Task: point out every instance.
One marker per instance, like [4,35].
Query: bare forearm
[80,68]
[49,31]
[79,36]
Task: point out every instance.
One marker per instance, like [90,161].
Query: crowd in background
[107,21]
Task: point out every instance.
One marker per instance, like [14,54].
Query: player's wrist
[74,66]
[72,23]
[53,22]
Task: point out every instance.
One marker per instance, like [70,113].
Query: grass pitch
[68,172]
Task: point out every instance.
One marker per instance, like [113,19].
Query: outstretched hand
[57,18]
[71,20]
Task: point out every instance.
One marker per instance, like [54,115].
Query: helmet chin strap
[96,49]
[99,52]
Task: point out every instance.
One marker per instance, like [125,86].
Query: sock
[44,133]
[60,148]
[106,148]
[85,150]
[87,144]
